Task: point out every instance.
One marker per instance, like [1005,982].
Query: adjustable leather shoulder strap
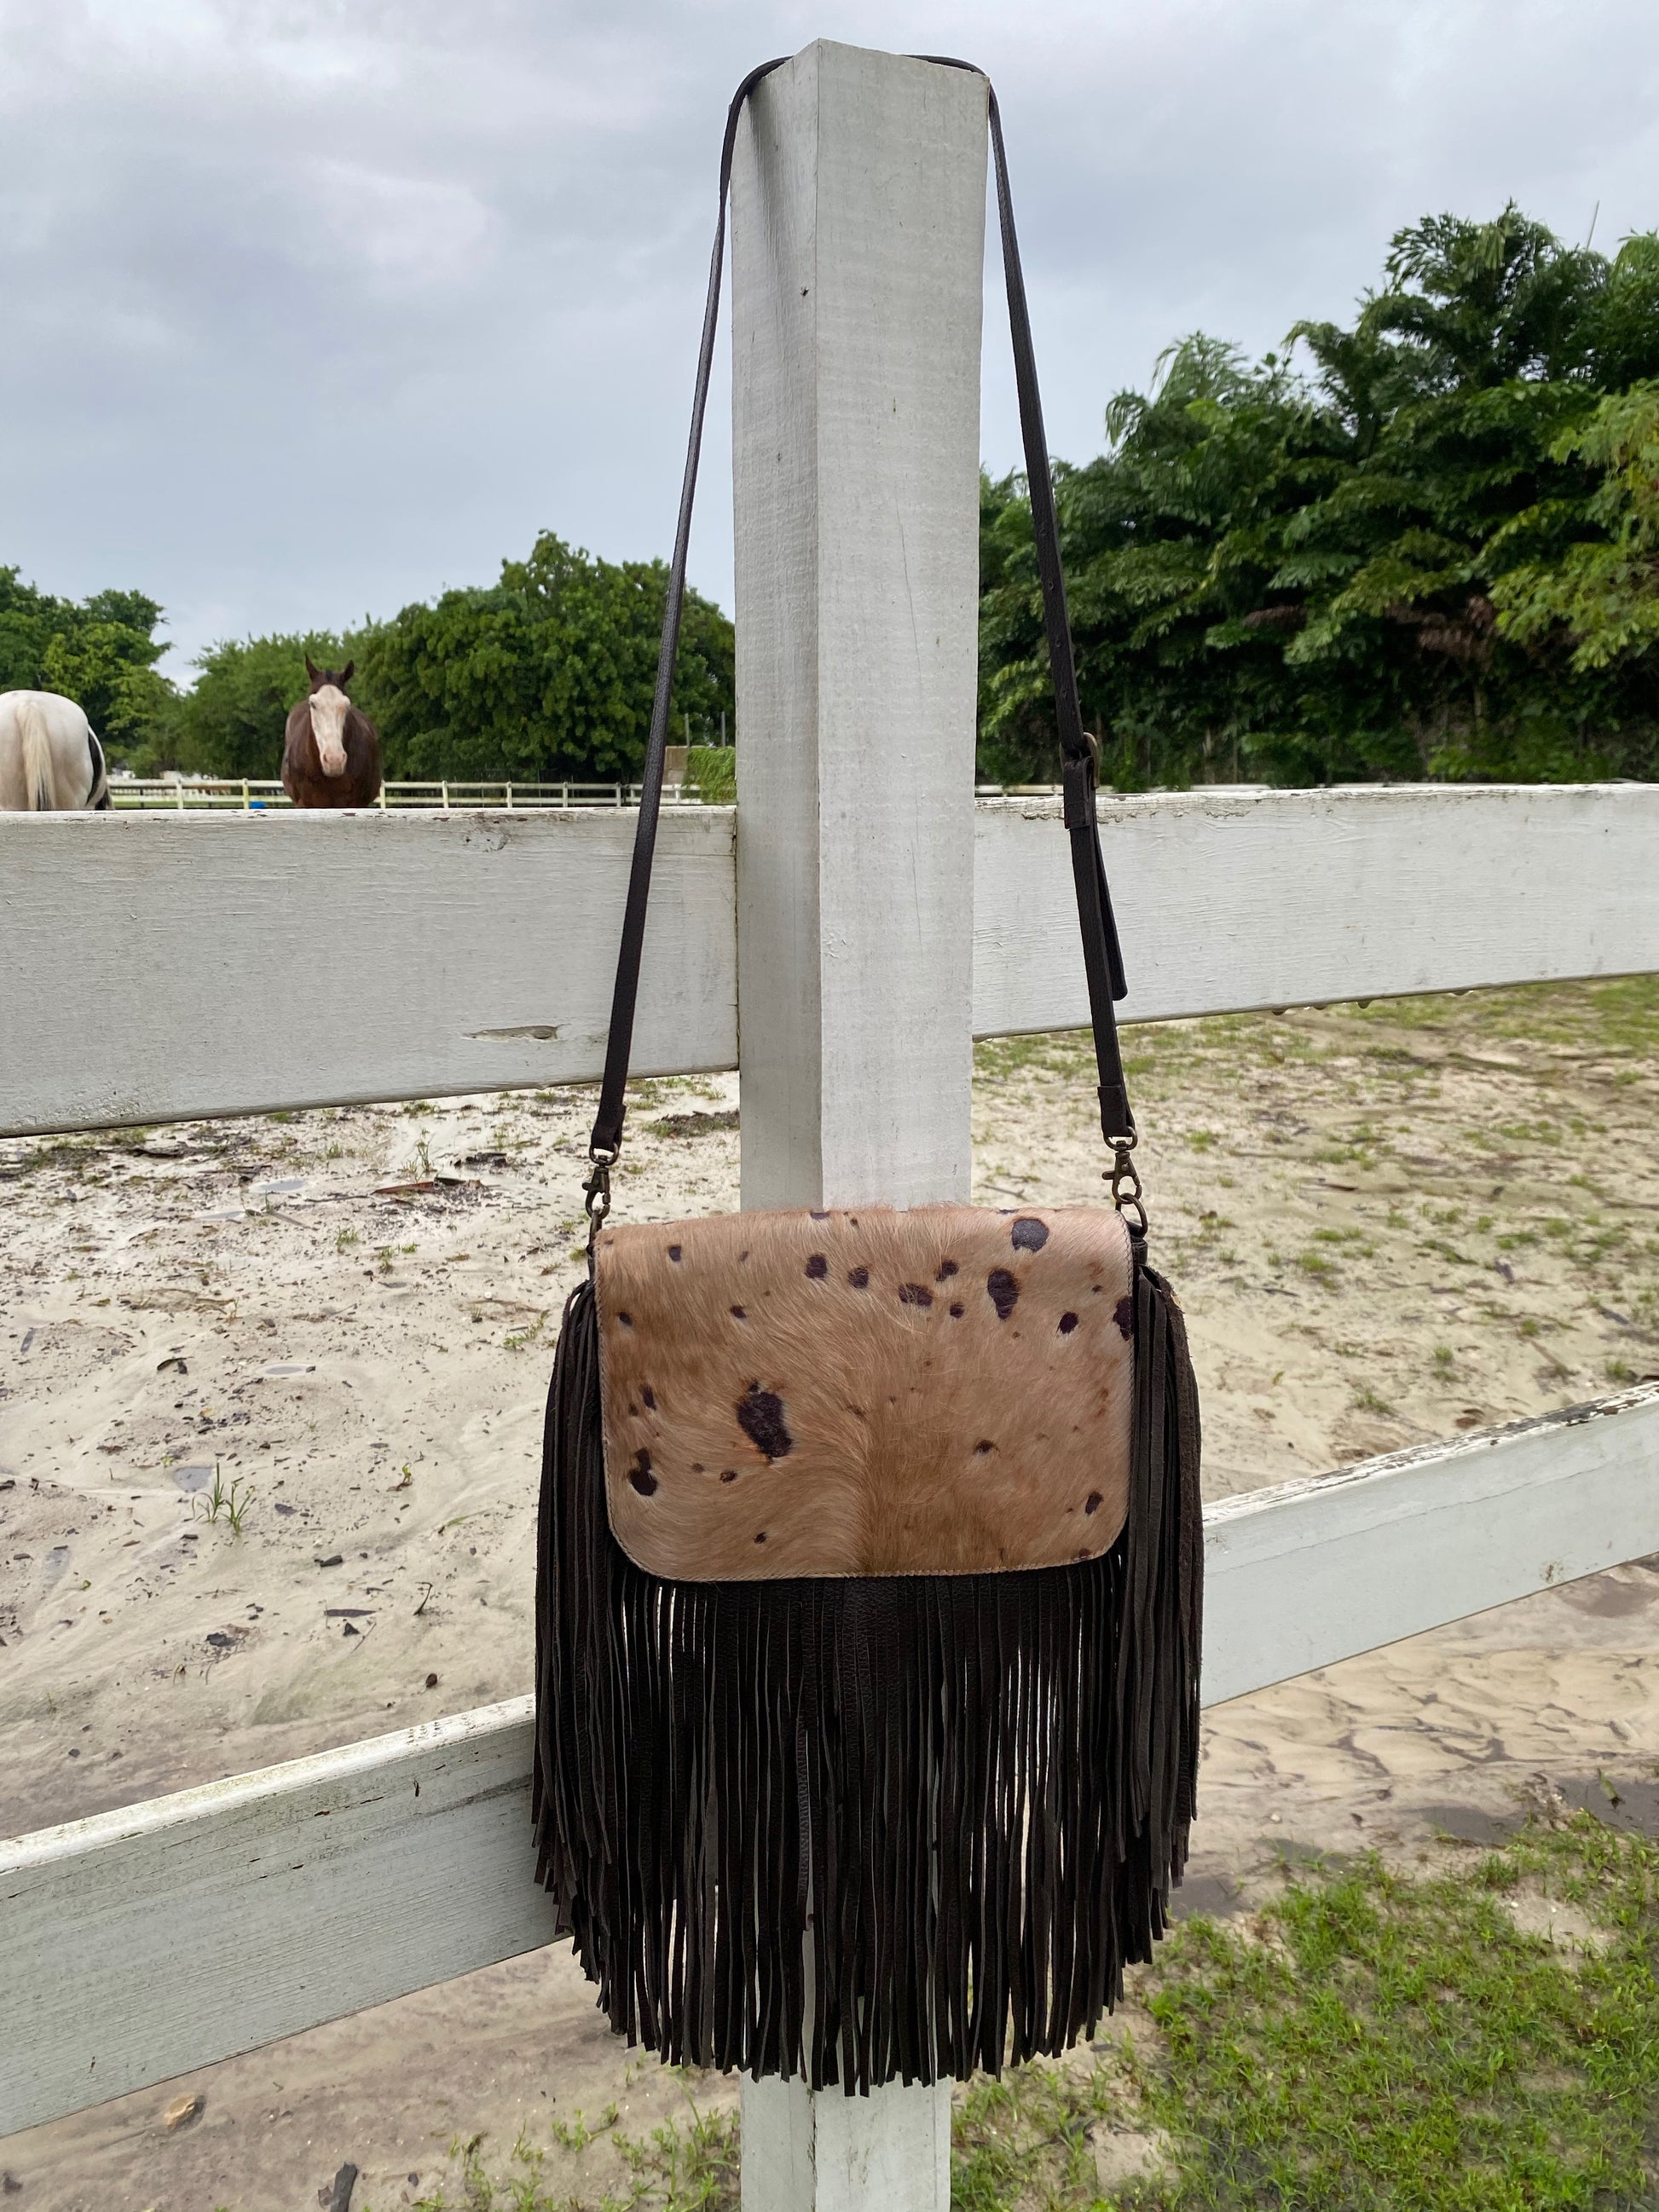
[1102,961]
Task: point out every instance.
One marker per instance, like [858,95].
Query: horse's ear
[313,670]
[345,673]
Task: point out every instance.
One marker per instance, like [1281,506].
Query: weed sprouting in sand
[227,1504]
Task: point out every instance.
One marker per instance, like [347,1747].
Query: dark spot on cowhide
[632,1410]
[737,1314]
[947,1269]
[915,1294]
[728,1474]
[818,1266]
[1092,1503]
[957,1312]
[1005,1291]
[983,1446]
[624,1320]
[674,1254]
[696,1467]
[760,1416]
[858,1278]
[649,1396]
[1068,1323]
[1029,1235]
[1123,1313]
[639,1473]
[743,1259]
[760,1538]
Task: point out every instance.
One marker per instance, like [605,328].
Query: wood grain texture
[138,1944]
[1336,1564]
[160,966]
[857,217]
[1230,900]
[839,2154]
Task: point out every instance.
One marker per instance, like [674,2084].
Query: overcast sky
[310,310]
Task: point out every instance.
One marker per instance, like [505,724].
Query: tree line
[1434,551]
[1426,544]
[545,676]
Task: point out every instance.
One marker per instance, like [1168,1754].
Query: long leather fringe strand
[864,1830]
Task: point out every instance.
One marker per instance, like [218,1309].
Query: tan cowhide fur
[943,1391]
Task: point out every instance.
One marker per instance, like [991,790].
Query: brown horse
[332,750]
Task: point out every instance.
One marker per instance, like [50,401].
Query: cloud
[314,308]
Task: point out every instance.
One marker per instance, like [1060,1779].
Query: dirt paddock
[269,1411]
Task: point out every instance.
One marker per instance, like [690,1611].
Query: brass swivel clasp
[1125,1180]
[596,1194]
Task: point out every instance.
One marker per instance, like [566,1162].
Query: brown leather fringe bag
[869,1565]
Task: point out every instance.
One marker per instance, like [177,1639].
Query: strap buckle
[1080,780]
[1125,1180]
[596,1197]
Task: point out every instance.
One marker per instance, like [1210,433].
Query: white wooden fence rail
[237,964]
[325,959]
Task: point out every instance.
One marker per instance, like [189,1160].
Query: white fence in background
[181,795]
[140,984]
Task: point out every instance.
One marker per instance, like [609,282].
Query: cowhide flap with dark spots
[943,1391]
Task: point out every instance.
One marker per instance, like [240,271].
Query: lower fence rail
[139,1944]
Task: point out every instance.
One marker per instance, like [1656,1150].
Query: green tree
[1303,576]
[1599,599]
[100,652]
[547,675]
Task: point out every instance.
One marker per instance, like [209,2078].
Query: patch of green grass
[1023,2140]
[685,2166]
[1383,2045]
[1061,1052]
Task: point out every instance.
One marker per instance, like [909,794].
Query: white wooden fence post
[857,249]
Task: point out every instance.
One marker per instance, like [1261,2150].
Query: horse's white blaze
[328,713]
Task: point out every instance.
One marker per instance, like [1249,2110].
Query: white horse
[50,761]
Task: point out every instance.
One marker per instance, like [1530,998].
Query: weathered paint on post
[858,215]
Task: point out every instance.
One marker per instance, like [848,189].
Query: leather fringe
[872,1829]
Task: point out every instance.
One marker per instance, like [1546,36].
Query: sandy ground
[1386,1224]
